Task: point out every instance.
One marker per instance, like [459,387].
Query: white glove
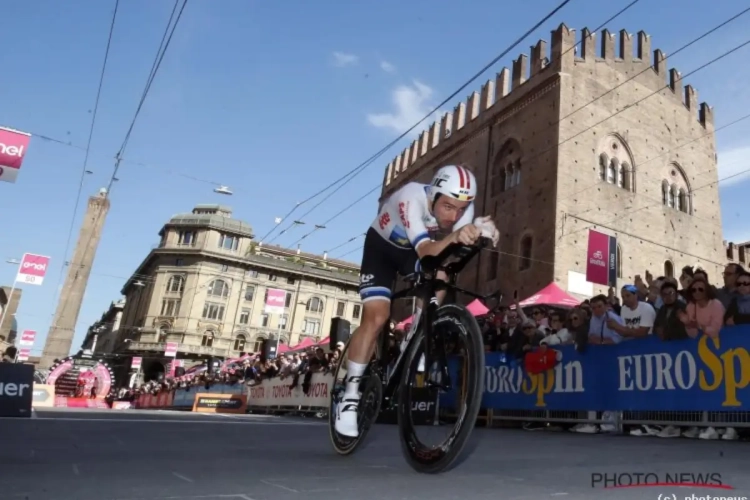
[488,229]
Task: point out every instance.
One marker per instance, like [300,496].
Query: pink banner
[170,350]
[27,338]
[275,301]
[597,269]
[32,269]
[13,146]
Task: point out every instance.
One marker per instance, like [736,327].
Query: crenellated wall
[497,98]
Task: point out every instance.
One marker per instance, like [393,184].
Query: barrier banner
[43,396]
[278,392]
[121,405]
[220,403]
[16,389]
[648,374]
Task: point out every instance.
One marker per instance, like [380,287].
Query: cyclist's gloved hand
[487,227]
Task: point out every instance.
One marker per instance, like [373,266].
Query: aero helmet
[455,181]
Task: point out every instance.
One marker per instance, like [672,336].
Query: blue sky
[275,99]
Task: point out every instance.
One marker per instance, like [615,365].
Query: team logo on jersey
[365,278]
[385,219]
[398,236]
[403,209]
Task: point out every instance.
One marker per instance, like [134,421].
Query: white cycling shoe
[346,417]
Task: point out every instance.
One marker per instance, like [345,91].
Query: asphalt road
[149,455]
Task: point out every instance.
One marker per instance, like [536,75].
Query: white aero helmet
[455,181]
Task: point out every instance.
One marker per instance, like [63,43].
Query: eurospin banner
[640,375]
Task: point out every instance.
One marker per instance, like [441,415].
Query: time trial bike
[432,362]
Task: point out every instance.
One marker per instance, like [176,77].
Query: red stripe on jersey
[460,177]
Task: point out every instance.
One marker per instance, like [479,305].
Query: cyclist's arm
[435,247]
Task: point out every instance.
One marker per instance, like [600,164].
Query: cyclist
[396,240]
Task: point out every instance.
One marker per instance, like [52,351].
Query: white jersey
[405,219]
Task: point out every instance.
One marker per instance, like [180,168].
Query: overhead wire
[164,45]
[666,86]
[87,150]
[359,168]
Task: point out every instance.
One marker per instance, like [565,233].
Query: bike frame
[425,286]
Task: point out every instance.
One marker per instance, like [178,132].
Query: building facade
[580,139]
[101,337]
[8,306]
[205,289]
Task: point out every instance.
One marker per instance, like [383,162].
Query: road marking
[184,478]
[75,470]
[281,486]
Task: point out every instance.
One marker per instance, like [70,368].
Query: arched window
[315,305]
[526,252]
[176,284]
[161,333]
[625,176]
[510,176]
[603,167]
[258,344]
[668,269]
[218,288]
[675,195]
[612,171]
[619,261]
[208,339]
[684,201]
[665,193]
[239,343]
[517,174]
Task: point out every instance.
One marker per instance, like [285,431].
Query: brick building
[580,139]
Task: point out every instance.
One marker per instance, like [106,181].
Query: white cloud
[387,67]
[342,59]
[411,104]
[734,166]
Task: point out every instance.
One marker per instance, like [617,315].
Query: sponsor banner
[277,392]
[701,374]
[601,259]
[32,269]
[27,338]
[136,362]
[220,403]
[170,350]
[16,389]
[43,396]
[23,354]
[13,145]
[275,301]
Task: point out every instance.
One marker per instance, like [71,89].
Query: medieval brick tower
[580,140]
[60,336]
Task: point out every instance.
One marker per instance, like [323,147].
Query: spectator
[704,313]
[725,294]
[638,316]
[602,321]
[738,309]
[667,324]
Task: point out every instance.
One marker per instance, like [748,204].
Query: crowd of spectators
[672,309]
[249,370]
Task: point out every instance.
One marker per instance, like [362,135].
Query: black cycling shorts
[382,262]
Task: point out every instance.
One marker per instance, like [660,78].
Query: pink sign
[170,350]
[23,354]
[13,146]
[27,338]
[275,301]
[136,362]
[32,269]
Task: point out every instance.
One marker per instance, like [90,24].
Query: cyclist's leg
[377,276]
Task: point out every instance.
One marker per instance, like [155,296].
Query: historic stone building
[576,139]
[205,288]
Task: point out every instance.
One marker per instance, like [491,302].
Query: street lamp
[12,289]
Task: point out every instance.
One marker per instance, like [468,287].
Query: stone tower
[60,336]
[578,139]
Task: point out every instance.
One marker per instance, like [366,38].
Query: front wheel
[371,396]
[465,352]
